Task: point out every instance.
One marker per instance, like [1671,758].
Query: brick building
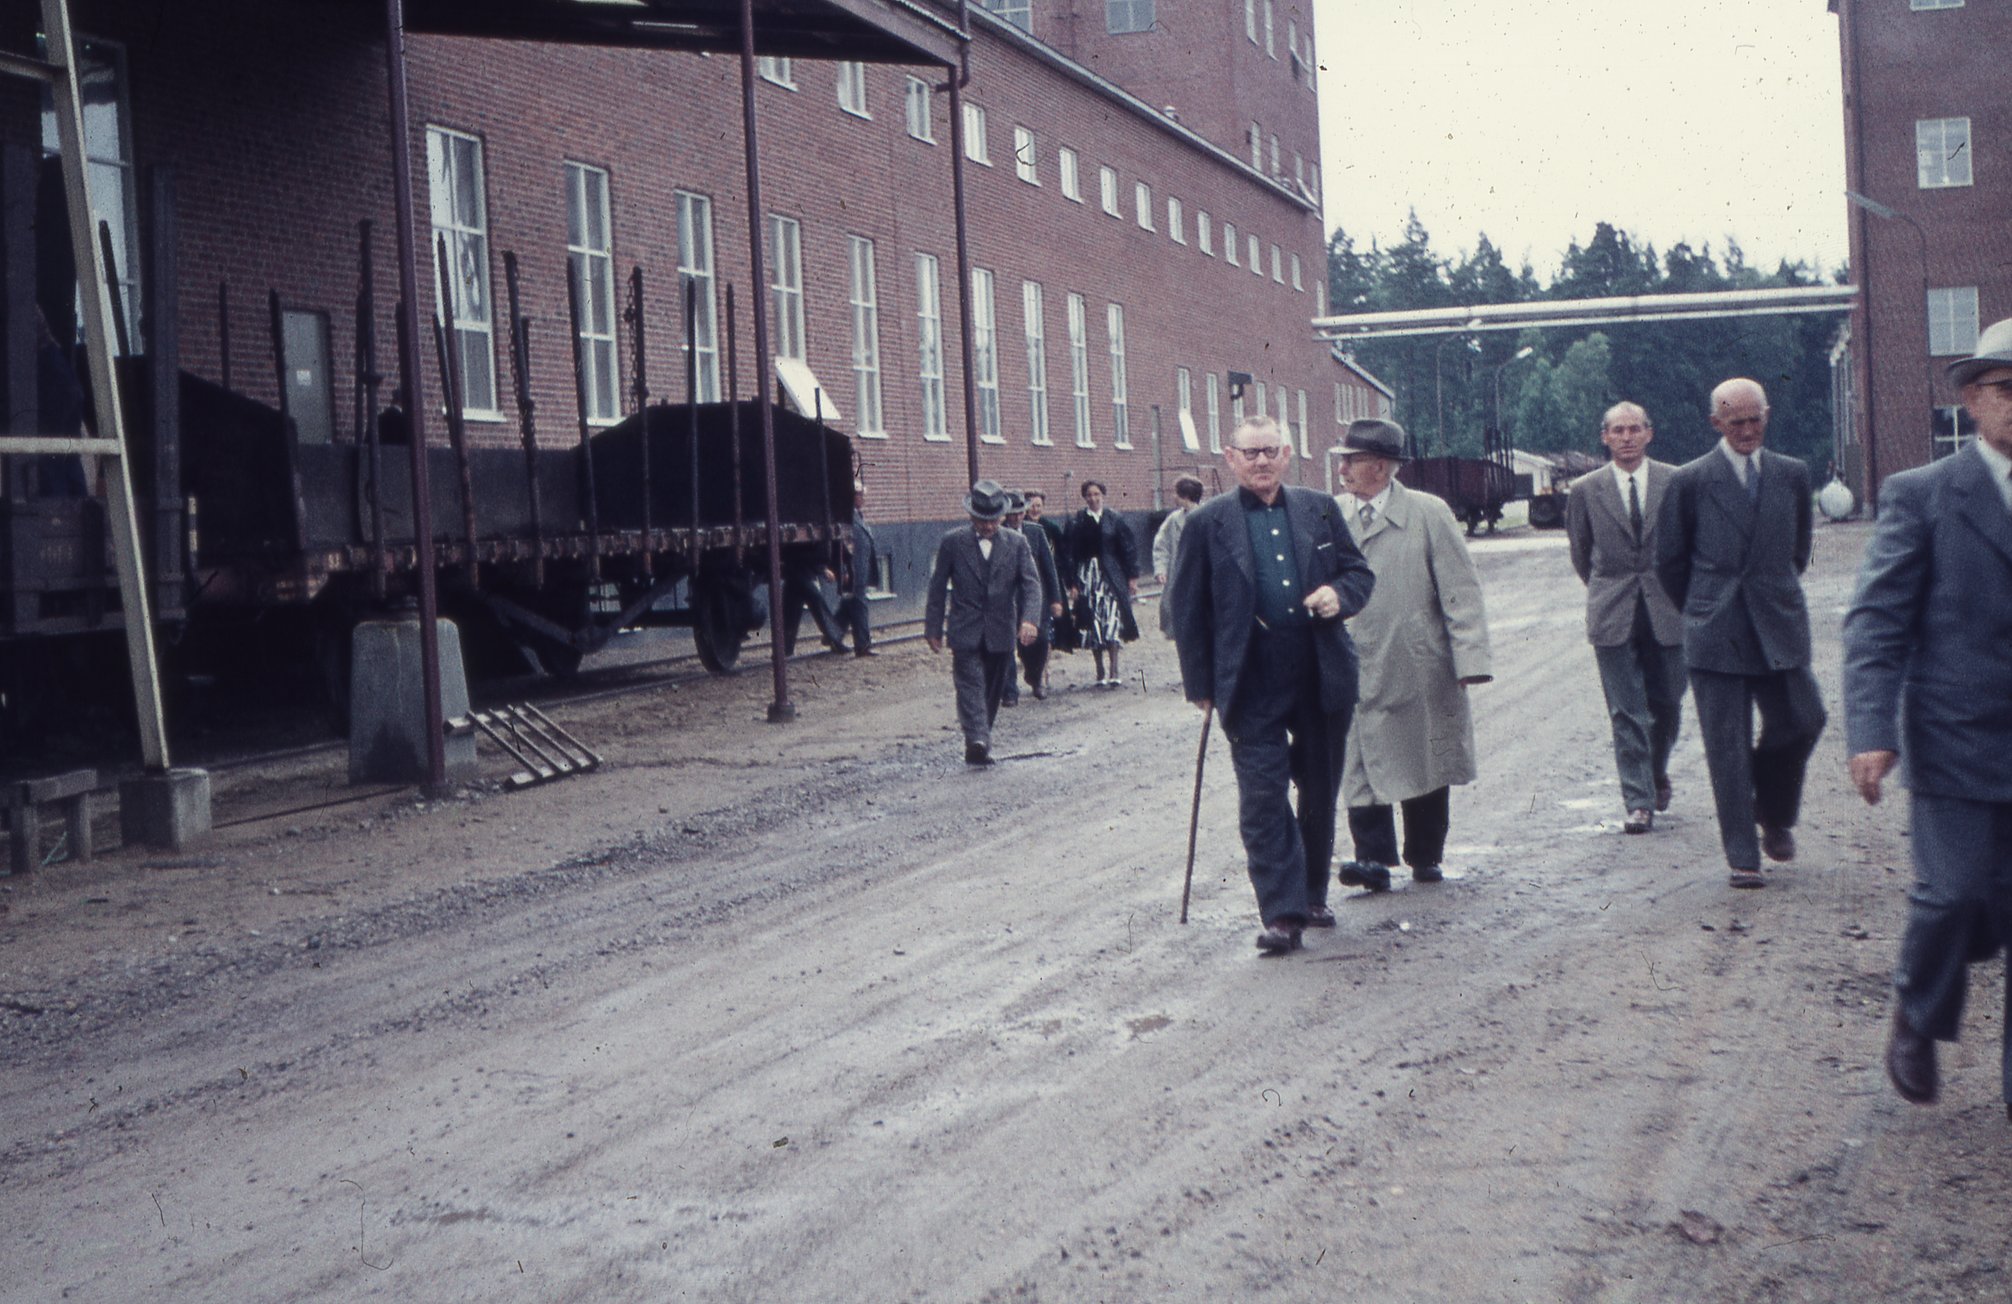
[1143,214]
[1928,149]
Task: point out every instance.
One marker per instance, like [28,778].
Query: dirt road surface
[813,1013]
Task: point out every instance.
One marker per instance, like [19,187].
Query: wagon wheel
[717,626]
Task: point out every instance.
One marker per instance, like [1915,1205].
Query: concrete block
[387,703]
[169,810]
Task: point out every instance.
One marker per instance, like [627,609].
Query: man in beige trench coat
[1423,641]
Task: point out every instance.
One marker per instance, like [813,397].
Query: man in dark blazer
[1637,635]
[1034,656]
[985,596]
[1732,541]
[855,610]
[1928,679]
[1267,575]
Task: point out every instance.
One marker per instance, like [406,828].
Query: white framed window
[852,88]
[1942,152]
[1250,20]
[985,354]
[460,213]
[868,417]
[1079,369]
[919,108]
[1184,402]
[1034,312]
[1237,408]
[1128,16]
[975,147]
[590,249]
[1257,146]
[1107,188]
[1215,399]
[695,266]
[1274,157]
[1299,169]
[1292,46]
[1205,236]
[1142,204]
[1230,244]
[1269,48]
[929,345]
[1121,423]
[785,253]
[781,71]
[1020,13]
[1066,163]
[1026,162]
[1277,266]
[1320,298]
[1284,414]
[1297,283]
[1255,248]
[1313,179]
[1952,429]
[1934,4]
[1952,321]
[1257,388]
[108,157]
[1305,449]
[1339,418]
[1177,227]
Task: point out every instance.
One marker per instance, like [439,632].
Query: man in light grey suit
[1635,630]
[985,592]
[1928,678]
[1732,541]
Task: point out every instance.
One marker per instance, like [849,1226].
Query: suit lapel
[1237,538]
[1980,503]
[1607,493]
[1724,488]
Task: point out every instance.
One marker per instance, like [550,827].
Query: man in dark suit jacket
[1034,656]
[985,595]
[1635,630]
[855,610]
[1732,541]
[1267,575]
[1928,678]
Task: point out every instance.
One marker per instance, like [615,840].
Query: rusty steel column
[958,76]
[781,709]
[415,408]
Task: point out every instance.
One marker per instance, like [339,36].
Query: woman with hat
[1103,569]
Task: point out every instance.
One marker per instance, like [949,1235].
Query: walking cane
[1195,814]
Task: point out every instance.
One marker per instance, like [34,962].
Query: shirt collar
[1739,459]
[1252,503]
[1640,473]
[1380,502]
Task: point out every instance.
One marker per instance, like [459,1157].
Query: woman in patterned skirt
[1103,577]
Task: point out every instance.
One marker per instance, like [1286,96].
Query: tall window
[108,158]
[1277,270]
[1952,321]
[852,88]
[985,353]
[1934,4]
[1284,413]
[929,344]
[1230,244]
[1257,390]
[1292,48]
[1942,152]
[1020,13]
[1107,188]
[1142,204]
[1305,449]
[1177,228]
[1205,236]
[1026,162]
[781,71]
[865,299]
[785,253]
[1184,397]
[1079,368]
[695,267]
[1237,408]
[1256,250]
[1066,163]
[1034,312]
[1250,20]
[920,110]
[975,147]
[1269,48]
[1257,146]
[461,215]
[1128,15]
[1297,283]
[1121,428]
[1215,413]
[1274,156]
[590,248]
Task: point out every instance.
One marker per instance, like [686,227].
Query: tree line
[1551,398]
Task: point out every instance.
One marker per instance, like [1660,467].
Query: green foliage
[1552,399]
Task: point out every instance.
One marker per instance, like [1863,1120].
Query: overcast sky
[1531,120]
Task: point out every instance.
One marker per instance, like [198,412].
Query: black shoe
[1277,939]
[1910,1062]
[864,652]
[1010,701]
[1663,792]
[977,754]
[1040,692]
[1365,873]
[1777,844]
[1319,917]
[1427,874]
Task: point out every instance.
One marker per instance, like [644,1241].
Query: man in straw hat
[1928,679]
[984,596]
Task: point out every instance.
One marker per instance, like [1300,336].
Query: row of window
[1299,57]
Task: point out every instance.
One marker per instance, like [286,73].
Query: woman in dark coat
[1102,570]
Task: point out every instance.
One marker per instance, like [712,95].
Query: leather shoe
[1639,821]
[1663,792]
[1777,844]
[1427,874]
[1737,877]
[1910,1062]
[977,754]
[865,652]
[1040,692]
[1319,917]
[1365,873]
[1013,700]
[1277,939]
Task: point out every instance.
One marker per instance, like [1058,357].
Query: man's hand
[935,644]
[1867,769]
[1028,633]
[1133,585]
[1323,602]
[1205,706]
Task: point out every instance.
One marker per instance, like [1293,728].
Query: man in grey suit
[1266,576]
[1928,677]
[1732,541]
[1637,635]
[985,593]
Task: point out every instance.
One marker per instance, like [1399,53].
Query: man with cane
[1266,576]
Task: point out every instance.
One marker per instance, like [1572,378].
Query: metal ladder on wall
[57,72]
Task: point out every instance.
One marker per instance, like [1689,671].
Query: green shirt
[1279,604]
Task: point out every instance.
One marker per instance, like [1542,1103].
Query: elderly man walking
[1635,630]
[1928,682]
[1732,542]
[1424,642]
[1266,576]
[983,590]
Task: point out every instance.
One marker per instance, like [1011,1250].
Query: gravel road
[812,1013]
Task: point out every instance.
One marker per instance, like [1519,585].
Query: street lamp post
[1500,367]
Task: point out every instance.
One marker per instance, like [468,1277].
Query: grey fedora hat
[986,501]
[1015,502]
[1374,435]
[1994,349]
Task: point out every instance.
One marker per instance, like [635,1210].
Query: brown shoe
[1910,1062]
[1639,821]
[1777,844]
[1663,792]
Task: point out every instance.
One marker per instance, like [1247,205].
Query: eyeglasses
[1261,453]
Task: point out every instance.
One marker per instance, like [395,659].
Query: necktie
[1366,515]
[1634,509]
[1753,479]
